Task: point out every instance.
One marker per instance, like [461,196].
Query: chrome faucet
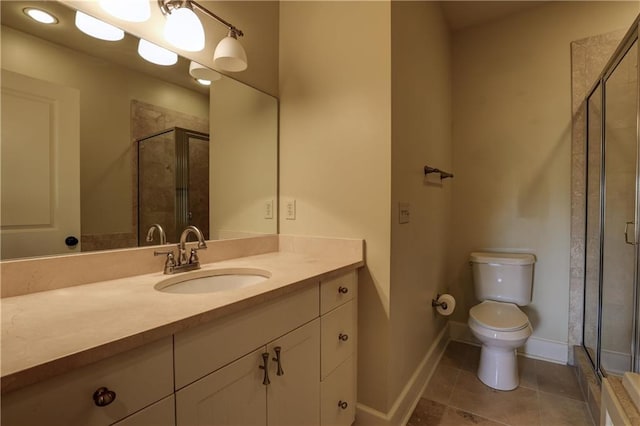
[182,246]
[184,263]
[163,236]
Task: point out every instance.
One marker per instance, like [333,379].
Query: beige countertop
[51,332]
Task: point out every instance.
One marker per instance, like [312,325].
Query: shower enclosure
[611,332]
[173,183]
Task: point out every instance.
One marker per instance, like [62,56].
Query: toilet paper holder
[435,303]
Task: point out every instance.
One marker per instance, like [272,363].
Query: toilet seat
[499,316]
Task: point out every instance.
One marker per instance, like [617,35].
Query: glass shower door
[619,258]
[593,223]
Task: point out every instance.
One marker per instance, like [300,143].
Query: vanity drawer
[202,350]
[337,337]
[139,378]
[338,396]
[337,290]
[162,413]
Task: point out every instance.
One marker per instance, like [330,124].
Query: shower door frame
[631,37]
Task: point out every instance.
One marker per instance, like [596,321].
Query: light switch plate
[404,212]
[290,210]
[268,209]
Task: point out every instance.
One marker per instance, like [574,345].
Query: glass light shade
[200,72]
[184,30]
[97,28]
[230,55]
[127,10]
[40,15]
[204,82]
[156,54]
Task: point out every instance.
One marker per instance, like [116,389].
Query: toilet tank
[503,277]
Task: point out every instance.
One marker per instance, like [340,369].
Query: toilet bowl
[502,328]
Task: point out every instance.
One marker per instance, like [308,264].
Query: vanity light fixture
[183,29]
[229,55]
[97,28]
[203,81]
[40,15]
[156,54]
[127,10]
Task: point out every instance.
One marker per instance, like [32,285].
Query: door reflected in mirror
[73,111]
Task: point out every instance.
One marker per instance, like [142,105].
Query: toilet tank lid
[502,258]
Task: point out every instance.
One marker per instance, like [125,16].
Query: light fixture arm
[167,6]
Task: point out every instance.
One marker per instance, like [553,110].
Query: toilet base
[498,368]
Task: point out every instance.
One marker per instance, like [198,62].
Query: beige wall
[257,19]
[244,160]
[362,110]
[335,147]
[421,134]
[106,92]
[512,126]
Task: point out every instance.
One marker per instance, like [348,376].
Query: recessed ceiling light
[40,15]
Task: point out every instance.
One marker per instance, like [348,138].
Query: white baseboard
[615,362]
[406,402]
[536,347]
[460,332]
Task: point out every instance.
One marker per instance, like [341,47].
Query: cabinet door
[159,414]
[233,395]
[294,397]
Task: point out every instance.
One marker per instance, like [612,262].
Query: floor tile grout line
[453,388]
[453,407]
[562,396]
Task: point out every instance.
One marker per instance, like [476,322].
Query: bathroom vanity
[282,351]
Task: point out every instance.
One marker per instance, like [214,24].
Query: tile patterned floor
[549,395]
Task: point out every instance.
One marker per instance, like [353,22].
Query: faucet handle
[193,258]
[170,263]
[171,259]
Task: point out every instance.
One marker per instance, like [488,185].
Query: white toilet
[502,281]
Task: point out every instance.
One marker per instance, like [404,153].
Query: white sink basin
[212,280]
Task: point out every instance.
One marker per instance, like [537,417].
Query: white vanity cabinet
[129,382]
[338,342]
[220,375]
[245,393]
[217,384]
[286,361]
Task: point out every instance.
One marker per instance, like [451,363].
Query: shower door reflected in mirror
[173,183]
[592,237]
[620,199]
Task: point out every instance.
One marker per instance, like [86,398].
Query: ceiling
[463,14]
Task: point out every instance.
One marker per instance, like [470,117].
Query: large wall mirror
[99,144]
